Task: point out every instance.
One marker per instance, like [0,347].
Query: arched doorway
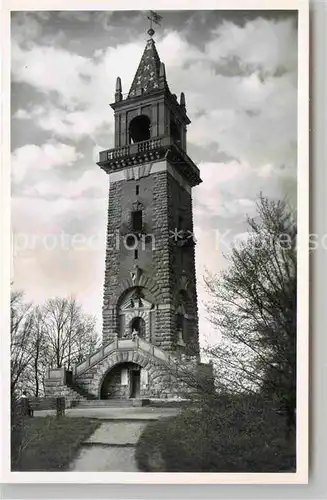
[123,381]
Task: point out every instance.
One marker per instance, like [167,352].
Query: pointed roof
[147,77]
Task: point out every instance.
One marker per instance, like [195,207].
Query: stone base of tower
[127,369]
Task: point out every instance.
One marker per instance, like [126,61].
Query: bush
[230,435]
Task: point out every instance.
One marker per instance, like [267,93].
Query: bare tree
[40,350]
[254,308]
[70,334]
[57,334]
[21,330]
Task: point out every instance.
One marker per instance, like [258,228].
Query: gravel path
[110,448]
[105,459]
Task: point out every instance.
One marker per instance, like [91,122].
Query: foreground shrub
[229,435]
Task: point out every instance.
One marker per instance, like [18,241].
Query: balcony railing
[132,149]
[143,148]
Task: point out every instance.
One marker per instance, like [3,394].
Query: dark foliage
[236,434]
[254,308]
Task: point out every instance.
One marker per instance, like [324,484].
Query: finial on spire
[162,76]
[118,84]
[118,93]
[162,71]
[153,18]
[182,101]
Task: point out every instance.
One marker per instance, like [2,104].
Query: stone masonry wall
[164,334]
[166,204]
[159,383]
[112,263]
[182,258]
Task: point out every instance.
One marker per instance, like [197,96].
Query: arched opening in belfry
[175,132]
[138,326]
[139,129]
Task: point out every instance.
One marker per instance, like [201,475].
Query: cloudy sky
[238,71]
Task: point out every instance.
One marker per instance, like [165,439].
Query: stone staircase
[88,373]
[82,393]
[85,367]
[82,385]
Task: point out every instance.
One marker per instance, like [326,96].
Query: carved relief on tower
[137,172]
[135,313]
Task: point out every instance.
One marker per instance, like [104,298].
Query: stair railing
[103,351]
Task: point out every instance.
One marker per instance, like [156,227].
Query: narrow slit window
[137,190]
[137,220]
[136,254]
[179,321]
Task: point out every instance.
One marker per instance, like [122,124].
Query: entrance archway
[123,381]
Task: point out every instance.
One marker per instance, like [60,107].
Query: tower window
[179,321]
[136,254]
[137,190]
[137,325]
[175,132]
[139,129]
[137,220]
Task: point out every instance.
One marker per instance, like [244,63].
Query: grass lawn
[50,443]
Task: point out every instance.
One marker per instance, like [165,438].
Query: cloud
[104,19]
[240,86]
[75,15]
[243,113]
[25,29]
[22,114]
[261,43]
[77,90]
[31,158]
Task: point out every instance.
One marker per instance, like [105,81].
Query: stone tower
[150,285]
[150,316]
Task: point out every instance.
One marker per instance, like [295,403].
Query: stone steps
[81,392]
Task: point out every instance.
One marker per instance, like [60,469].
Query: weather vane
[153,18]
